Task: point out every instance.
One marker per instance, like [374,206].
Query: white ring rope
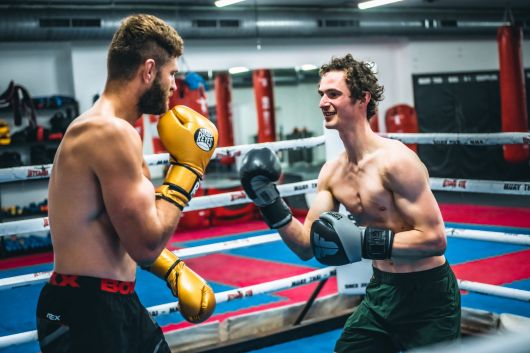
[44,171]
[494,138]
[226,296]
[18,338]
[507,238]
[262,288]
[497,138]
[481,186]
[197,203]
[302,187]
[483,235]
[498,291]
[239,197]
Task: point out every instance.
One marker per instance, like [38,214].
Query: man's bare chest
[365,197]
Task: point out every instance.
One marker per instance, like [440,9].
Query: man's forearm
[417,244]
[162,225]
[296,237]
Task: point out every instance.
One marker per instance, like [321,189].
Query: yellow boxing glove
[190,139]
[196,298]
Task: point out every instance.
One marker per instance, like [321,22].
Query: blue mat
[18,305]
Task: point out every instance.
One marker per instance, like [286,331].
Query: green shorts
[401,311]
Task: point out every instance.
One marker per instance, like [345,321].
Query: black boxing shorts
[402,311]
[85,314]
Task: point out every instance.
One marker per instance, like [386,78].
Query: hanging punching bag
[158,147]
[223,111]
[514,116]
[139,127]
[262,81]
[191,93]
[374,122]
[402,118]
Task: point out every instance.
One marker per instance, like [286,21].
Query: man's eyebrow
[329,90]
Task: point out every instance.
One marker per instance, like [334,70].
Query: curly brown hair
[359,78]
[141,37]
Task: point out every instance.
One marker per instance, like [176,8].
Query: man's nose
[324,102]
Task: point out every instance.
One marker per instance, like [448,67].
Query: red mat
[486,215]
[292,296]
[26,260]
[218,231]
[493,270]
[245,272]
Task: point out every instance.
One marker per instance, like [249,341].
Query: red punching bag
[223,111]
[262,81]
[152,121]
[514,116]
[402,118]
[374,123]
[195,97]
[139,127]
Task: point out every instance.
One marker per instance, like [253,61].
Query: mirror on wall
[296,111]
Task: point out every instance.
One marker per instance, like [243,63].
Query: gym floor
[485,262]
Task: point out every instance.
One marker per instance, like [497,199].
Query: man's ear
[367,97]
[149,71]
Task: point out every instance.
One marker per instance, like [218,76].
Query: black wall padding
[464,103]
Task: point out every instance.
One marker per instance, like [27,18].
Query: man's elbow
[145,262]
[145,259]
[305,254]
[146,254]
[304,257]
[148,245]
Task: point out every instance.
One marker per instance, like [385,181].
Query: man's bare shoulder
[398,159]
[101,123]
[330,168]
[332,165]
[99,129]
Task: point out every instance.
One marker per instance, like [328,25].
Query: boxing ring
[261,237]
